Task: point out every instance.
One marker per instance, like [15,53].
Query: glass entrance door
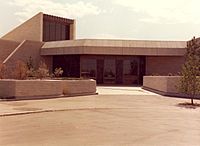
[100,70]
[127,70]
[131,71]
[119,71]
[109,71]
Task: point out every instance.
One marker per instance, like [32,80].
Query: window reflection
[112,71]
[88,68]
[109,71]
[130,71]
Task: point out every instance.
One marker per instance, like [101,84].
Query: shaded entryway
[107,70]
[69,63]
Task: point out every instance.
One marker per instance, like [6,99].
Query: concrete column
[73,31]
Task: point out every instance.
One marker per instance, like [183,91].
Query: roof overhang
[115,47]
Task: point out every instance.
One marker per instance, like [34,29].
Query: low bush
[21,70]
[42,72]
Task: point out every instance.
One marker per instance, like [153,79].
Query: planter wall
[79,87]
[30,89]
[27,88]
[165,85]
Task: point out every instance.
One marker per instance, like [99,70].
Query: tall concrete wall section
[6,47]
[163,65]
[23,52]
[73,31]
[29,30]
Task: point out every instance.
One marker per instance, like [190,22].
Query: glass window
[88,68]
[130,67]
[109,71]
[130,71]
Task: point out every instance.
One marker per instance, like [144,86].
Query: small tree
[21,70]
[58,72]
[190,81]
[29,63]
[30,66]
[42,71]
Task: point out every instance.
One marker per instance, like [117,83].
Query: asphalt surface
[116,117]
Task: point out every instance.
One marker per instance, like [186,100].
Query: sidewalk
[115,90]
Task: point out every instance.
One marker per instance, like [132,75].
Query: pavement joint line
[51,110]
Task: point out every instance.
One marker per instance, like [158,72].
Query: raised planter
[164,85]
[79,87]
[31,89]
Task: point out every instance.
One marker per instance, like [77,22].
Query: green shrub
[190,80]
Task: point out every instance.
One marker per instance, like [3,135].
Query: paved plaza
[118,116]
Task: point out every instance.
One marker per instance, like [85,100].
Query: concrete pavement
[117,90]
[49,105]
[102,120]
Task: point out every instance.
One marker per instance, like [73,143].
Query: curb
[26,113]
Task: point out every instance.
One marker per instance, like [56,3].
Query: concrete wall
[27,88]
[29,30]
[30,89]
[6,47]
[73,31]
[23,52]
[163,65]
[165,84]
[7,88]
[79,87]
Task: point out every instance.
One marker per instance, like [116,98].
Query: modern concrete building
[53,40]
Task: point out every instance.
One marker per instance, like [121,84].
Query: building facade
[53,40]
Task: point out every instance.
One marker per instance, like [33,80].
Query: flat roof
[114,47]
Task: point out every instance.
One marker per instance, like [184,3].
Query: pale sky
[112,19]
